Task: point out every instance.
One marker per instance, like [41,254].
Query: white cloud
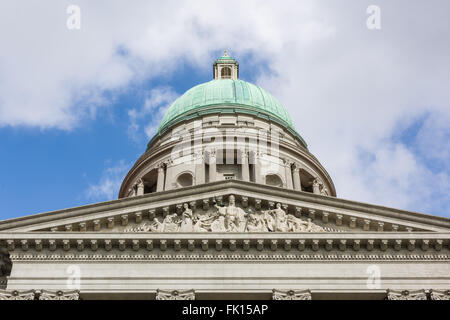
[150,114]
[107,188]
[350,90]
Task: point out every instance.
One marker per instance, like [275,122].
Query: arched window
[273,180]
[184,180]
[225,73]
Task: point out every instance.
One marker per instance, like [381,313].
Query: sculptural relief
[406,295]
[229,218]
[234,217]
[175,295]
[291,295]
[187,219]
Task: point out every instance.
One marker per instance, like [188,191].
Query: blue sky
[51,169]
[77,107]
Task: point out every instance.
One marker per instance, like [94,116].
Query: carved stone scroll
[291,295]
[58,295]
[175,295]
[16,295]
[440,294]
[406,295]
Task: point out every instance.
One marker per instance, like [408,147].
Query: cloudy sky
[77,106]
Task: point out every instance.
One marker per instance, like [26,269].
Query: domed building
[226,202]
[231,129]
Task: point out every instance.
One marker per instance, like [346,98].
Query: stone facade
[254,216]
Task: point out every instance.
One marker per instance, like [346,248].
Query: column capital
[287,162]
[406,295]
[244,154]
[212,152]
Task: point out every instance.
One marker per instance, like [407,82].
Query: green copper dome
[225,96]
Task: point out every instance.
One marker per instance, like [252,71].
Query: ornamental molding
[291,295]
[230,218]
[330,212]
[58,295]
[39,295]
[410,244]
[439,294]
[175,294]
[185,257]
[406,295]
[17,295]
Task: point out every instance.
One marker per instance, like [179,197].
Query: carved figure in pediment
[218,225]
[256,223]
[299,225]
[156,226]
[234,217]
[170,223]
[203,222]
[187,219]
[296,224]
[276,219]
[312,227]
[144,227]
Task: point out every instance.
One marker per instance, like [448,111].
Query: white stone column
[245,167]
[297,182]
[212,166]
[169,179]
[199,168]
[258,173]
[140,187]
[316,186]
[288,174]
[160,181]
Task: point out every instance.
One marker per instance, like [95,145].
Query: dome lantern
[226,68]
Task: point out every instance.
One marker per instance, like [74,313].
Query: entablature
[288,246]
[327,212]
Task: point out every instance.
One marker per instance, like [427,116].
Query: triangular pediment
[305,212]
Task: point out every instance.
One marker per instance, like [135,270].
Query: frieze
[350,215]
[229,218]
[229,257]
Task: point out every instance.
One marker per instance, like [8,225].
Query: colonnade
[206,171]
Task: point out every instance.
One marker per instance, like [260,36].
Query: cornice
[322,257]
[242,188]
[296,246]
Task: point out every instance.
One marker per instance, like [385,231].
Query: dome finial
[226,67]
